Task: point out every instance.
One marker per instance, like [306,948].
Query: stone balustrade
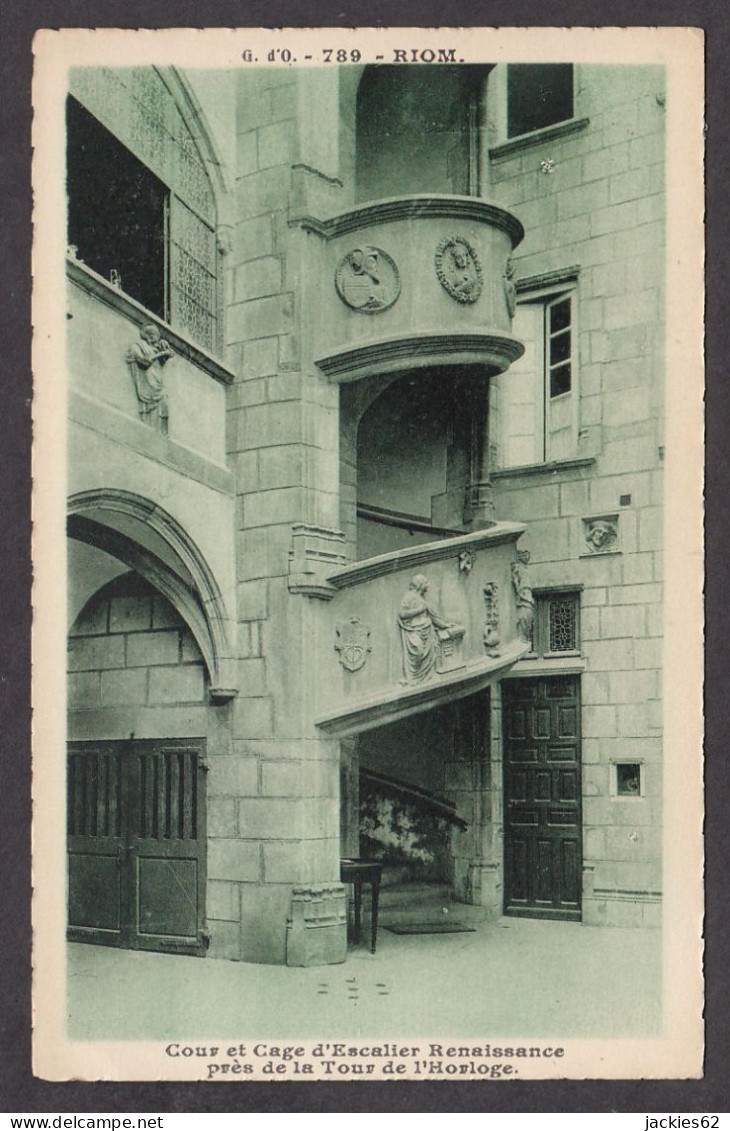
[412,282]
[407,630]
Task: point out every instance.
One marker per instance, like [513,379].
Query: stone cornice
[527,141]
[416,556]
[554,278]
[393,209]
[572,464]
[129,308]
[418,350]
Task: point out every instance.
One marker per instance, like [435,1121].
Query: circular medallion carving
[458,269]
[367,280]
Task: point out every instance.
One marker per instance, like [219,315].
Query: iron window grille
[141,211]
[556,625]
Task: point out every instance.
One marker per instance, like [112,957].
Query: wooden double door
[542,797]
[136,844]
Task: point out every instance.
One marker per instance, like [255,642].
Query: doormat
[428,928]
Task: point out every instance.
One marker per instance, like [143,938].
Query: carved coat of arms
[367,280]
[458,269]
[352,643]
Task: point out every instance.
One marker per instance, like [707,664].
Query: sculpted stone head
[600,534]
[150,334]
[419,583]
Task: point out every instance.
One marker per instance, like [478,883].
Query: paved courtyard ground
[511,977]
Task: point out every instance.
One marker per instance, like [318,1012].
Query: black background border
[19,1090]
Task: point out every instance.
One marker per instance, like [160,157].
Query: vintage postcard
[368,430]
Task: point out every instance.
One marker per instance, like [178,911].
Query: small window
[538,95]
[556,625]
[628,779]
[117,212]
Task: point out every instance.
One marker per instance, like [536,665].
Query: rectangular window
[556,626]
[534,403]
[558,346]
[628,779]
[118,212]
[538,95]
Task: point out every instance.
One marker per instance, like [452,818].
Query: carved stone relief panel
[510,289]
[523,593]
[491,618]
[367,280]
[601,534]
[352,643]
[431,644]
[145,359]
[459,270]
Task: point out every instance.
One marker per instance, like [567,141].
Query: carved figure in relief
[367,280]
[491,623]
[600,534]
[458,269]
[525,599]
[429,641]
[510,290]
[146,359]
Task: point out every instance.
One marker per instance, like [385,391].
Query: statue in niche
[525,599]
[510,290]
[601,534]
[430,643]
[146,359]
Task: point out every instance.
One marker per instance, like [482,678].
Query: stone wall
[129,647]
[601,208]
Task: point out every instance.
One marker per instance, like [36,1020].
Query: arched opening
[129,647]
[412,447]
[133,532]
[136,770]
[148,647]
[417,130]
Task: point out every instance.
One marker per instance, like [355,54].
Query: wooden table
[359,872]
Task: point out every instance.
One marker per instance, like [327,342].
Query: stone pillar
[283,849]
[466,782]
[479,510]
[492,886]
[349,798]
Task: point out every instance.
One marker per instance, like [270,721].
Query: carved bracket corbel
[315,552]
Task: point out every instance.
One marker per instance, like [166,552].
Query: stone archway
[150,541]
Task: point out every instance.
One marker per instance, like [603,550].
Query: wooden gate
[136,844]
[542,797]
